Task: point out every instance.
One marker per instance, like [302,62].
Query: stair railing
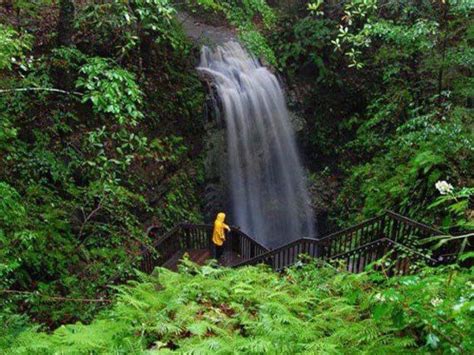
[244,246]
[409,232]
[284,256]
[357,246]
[360,245]
[189,236]
[400,258]
[350,238]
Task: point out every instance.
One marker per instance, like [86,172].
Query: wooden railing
[400,259]
[187,236]
[356,247]
[412,233]
[284,256]
[353,237]
[245,246]
[390,234]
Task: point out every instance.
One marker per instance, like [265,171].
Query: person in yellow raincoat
[218,235]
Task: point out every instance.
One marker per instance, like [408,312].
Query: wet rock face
[215,164]
[205,34]
[323,191]
[297,122]
[215,157]
[218,173]
[266,178]
[215,161]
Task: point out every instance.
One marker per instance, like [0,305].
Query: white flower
[444,187]
[380,297]
[436,301]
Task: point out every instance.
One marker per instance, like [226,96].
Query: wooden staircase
[389,235]
[195,240]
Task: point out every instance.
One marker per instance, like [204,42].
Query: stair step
[172,263]
[198,256]
[230,258]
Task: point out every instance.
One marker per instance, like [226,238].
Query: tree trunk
[443,38]
[66,22]
[146,41]
[65,27]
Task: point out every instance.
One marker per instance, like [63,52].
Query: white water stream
[269,197]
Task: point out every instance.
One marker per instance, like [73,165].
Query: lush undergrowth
[101,136]
[386,89]
[99,139]
[253,310]
[101,125]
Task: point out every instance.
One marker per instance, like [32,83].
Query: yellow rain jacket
[218,236]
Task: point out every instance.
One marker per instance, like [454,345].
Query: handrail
[243,234]
[446,254]
[388,240]
[359,244]
[350,241]
[402,257]
[186,236]
[351,228]
[273,252]
[413,251]
[233,230]
[412,222]
[165,236]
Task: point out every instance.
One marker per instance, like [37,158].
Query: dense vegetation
[97,137]
[102,119]
[386,89]
[253,310]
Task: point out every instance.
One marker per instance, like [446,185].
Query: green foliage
[423,150]
[125,23]
[30,9]
[255,42]
[180,203]
[457,205]
[386,89]
[13,46]
[84,173]
[302,44]
[89,152]
[12,218]
[156,16]
[252,18]
[111,90]
[254,310]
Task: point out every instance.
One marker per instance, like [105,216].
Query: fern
[252,310]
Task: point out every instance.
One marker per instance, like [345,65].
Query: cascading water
[269,197]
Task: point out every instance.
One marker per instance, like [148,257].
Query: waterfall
[269,197]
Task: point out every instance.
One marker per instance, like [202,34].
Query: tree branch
[2,91]
[57,298]
[86,219]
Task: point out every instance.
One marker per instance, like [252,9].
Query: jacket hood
[220,217]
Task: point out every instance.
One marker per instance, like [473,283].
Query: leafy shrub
[254,310]
[81,178]
[245,15]
[124,25]
[12,46]
[111,90]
